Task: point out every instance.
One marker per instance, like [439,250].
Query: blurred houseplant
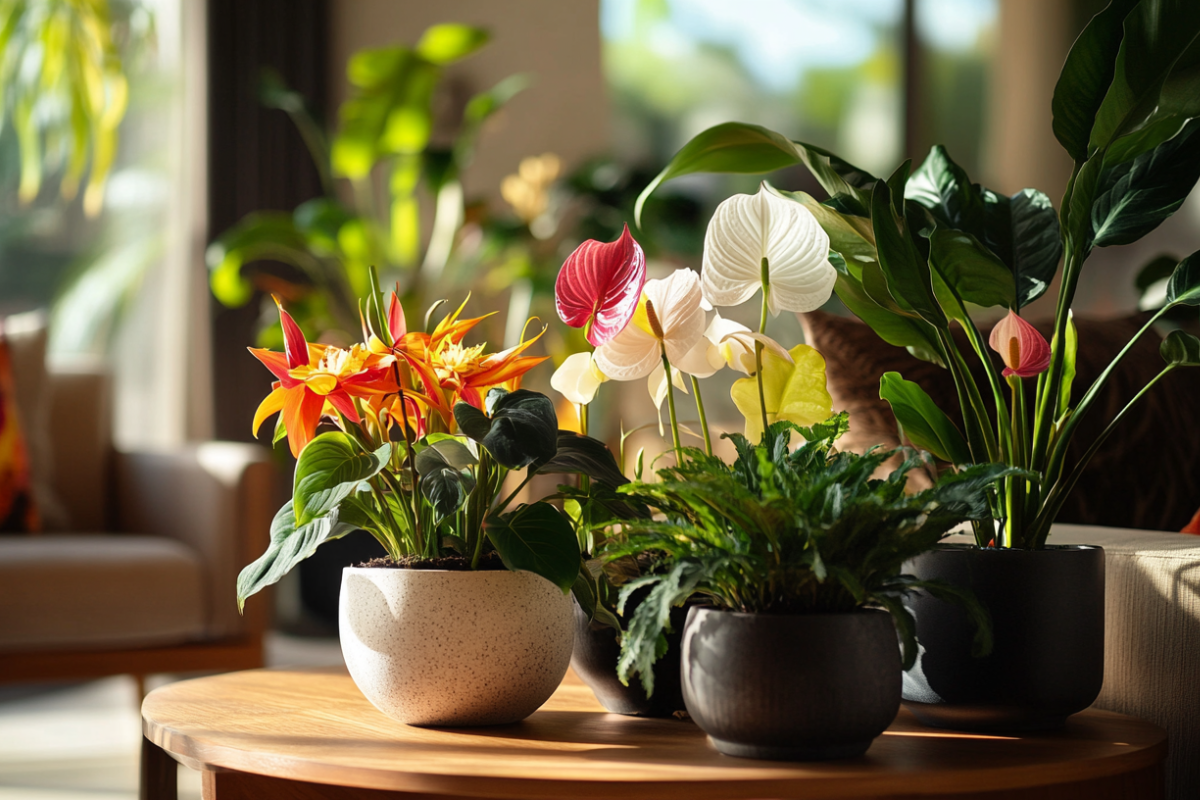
[427,430]
[793,542]
[384,132]
[919,250]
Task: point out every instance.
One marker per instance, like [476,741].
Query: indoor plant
[475,626]
[798,552]
[919,249]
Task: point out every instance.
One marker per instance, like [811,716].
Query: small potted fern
[798,552]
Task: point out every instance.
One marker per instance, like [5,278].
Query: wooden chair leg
[159,778]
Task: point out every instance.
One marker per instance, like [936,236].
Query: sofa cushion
[97,591]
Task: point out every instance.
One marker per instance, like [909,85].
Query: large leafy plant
[790,530]
[917,251]
[385,132]
[426,431]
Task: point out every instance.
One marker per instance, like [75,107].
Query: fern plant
[786,530]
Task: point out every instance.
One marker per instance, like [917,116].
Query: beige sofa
[136,574]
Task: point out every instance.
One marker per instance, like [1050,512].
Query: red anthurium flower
[601,283]
[1193,526]
[1025,352]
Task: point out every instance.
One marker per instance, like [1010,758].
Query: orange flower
[316,380]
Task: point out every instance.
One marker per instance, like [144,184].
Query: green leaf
[943,187]
[1184,286]
[1157,33]
[446,489]
[850,236]
[1036,244]
[926,425]
[1181,349]
[1069,357]
[895,329]
[330,467]
[907,273]
[585,456]
[1086,76]
[537,538]
[289,546]
[1133,197]
[1159,268]
[729,147]
[523,428]
[227,283]
[442,453]
[967,267]
[450,42]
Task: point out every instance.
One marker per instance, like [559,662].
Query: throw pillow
[18,511]
[1142,477]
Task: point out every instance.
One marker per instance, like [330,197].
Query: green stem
[671,409]
[703,418]
[1015,486]
[585,482]
[758,346]
[529,475]
[418,533]
[477,506]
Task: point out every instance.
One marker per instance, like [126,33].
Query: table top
[314,725]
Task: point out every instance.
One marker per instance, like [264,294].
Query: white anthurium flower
[747,228]
[732,344]
[657,386]
[668,320]
[578,378]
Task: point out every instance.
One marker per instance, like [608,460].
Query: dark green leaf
[330,467]
[585,456]
[523,428]
[893,328]
[289,546]
[1085,77]
[1133,197]
[537,538]
[444,452]
[1181,348]
[850,236]
[908,275]
[1036,244]
[971,271]
[1184,286]
[446,489]
[1156,269]
[943,187]
[1157,33]
[926,425]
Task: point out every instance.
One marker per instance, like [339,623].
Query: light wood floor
[81,741]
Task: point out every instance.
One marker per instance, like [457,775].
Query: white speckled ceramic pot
[440,647]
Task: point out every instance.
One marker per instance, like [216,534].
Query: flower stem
[585,483]
[671,410]
[758,346]
[1014,500]
[703,417]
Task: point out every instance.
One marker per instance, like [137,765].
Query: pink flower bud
[1025,352]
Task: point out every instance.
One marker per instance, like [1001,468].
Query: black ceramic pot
[1047,609]
[791,687]
[595,662]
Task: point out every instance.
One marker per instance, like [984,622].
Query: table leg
[159,776]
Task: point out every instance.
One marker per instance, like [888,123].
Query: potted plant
[467,621]
[917,251]
[797,552]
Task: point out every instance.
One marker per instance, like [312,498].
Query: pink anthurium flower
[600,283]
[1025,352]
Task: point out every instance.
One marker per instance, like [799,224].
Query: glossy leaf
[1181,349]
[926,425]
[1183,288]
[893,328]
[328,470]
[537,538]
[1036,245]
[943,187]
[907,273]
[289,546]
[1157,33]
[448,452]
[585,456]
[1086,76]
[446,489]
[522,429]
[1133,197]
[850,236]
[971,271]
[1069,358]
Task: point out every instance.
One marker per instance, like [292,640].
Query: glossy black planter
[794,688]
[1047,609]
[595,662]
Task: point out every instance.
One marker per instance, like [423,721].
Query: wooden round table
[311,734]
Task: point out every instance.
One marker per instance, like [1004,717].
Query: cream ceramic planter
[440,647]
